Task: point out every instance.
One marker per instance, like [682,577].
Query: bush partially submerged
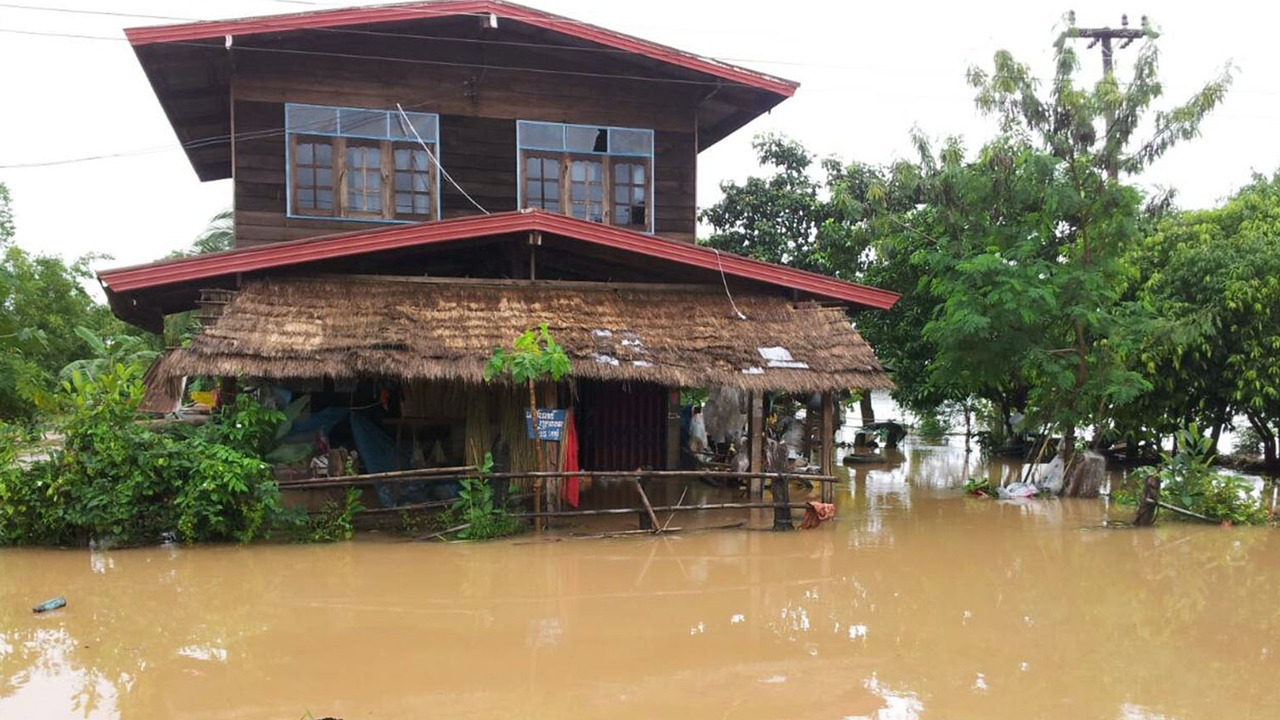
[117,480]
[1189,481]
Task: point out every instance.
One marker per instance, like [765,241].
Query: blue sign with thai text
[550,424]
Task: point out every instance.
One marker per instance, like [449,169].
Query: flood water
[915,602]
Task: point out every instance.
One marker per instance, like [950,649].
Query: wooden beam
[755,430]
[827,464]
[520,282]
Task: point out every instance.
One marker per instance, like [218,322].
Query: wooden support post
[780,487]
[648,520]
[828,444]
[673,430]
[226,391]
[755,429]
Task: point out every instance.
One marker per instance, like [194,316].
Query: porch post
[828,430]
[673,430]
[755,429]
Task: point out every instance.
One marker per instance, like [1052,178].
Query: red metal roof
[442,8]
[329,247]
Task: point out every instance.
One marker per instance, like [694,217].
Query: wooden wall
[478,112]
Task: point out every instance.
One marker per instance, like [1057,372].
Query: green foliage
[475,507]
[247,427]
[118,480]
[933,427]
[107,352]
[1012,260]
[335,521]
[535,355]
[980,486]
[42,302]
[1212,278]
[1188,480]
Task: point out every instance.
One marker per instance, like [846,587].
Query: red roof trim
[392,13]
[329,247]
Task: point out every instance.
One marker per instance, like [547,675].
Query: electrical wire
[725,280]
[406,123]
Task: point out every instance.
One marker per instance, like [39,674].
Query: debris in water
[47,605]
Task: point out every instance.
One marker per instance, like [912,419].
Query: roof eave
[286,254]
[191,32]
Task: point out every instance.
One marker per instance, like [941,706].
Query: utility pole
[1105,37]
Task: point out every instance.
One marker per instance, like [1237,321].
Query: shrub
[335,521]
[475,507]
[1188,480]
[118,480]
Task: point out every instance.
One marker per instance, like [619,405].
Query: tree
[42,301]
[535,357]
[1212,277]
[1018,251]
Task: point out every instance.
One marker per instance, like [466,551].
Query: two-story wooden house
[416,184]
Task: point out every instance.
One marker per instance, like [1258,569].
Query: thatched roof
[344,328]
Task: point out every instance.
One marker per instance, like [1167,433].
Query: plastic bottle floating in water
[47,605]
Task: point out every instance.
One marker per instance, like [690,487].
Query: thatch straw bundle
[296,328]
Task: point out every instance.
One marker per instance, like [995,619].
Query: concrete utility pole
[1105,37]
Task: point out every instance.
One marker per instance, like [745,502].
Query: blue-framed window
[362,163]
[597,173]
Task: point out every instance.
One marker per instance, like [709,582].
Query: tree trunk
[1268,440]
[537,453]
[1149,502]
[1068,451]
[864,407]
[1219,421]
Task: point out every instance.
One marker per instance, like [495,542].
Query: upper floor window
[601,174]
[361,163]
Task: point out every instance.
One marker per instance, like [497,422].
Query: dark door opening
[621,426]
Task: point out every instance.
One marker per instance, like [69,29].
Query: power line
[206,142]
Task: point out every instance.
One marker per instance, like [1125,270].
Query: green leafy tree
[1012,260]
[1212,278]
[42,302]
[533,358]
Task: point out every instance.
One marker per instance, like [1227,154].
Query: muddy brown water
[915,602]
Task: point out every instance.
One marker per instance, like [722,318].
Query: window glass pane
[631,142]
[622,215]
[404,181]
[324,154]
[324,177]
[305,154]
[541,136]
[402,159]
[421,182]
[306,197]
[639,196]
[637,174]
[533,168]
[324,199]
[369,123]
[309,118]
[425,123]
[586,139]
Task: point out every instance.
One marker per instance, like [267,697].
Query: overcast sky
[868,73]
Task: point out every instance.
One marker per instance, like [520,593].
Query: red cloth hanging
[569,463]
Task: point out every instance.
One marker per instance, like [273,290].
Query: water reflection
[915,602]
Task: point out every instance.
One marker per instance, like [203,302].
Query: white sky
[869,72]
